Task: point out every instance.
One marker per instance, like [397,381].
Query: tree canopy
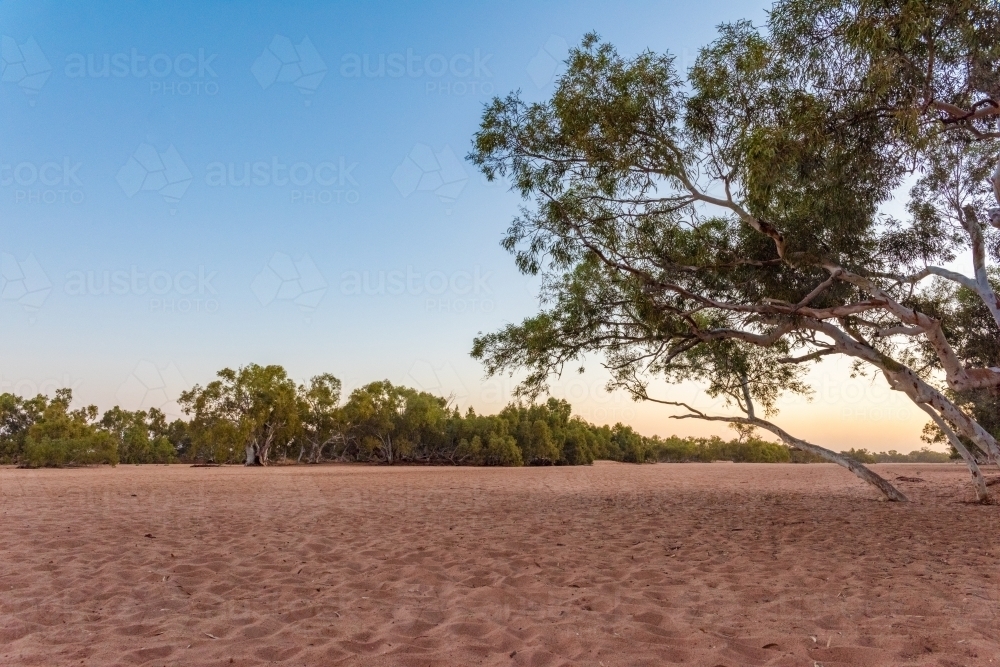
[729,224]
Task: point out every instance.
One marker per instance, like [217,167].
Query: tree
[540,429]
[253,409]
[395,423]
[17,415]
[60,436]
[140,436]
[629,446]
[321,419]
[728,229]
[374,414]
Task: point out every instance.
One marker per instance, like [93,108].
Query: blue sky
[188,186]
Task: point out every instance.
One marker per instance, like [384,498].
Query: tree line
[257,415]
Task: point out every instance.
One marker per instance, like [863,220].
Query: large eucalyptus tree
[730,227]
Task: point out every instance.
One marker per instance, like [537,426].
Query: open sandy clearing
[718,564]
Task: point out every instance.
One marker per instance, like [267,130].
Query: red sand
[719,564]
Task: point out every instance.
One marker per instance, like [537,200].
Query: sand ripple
[613,564]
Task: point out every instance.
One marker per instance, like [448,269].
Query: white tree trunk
[978,481]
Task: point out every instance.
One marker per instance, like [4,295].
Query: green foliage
[17,415]
[924,455]
[377,423]
[60,436]
[140,436]
[321,421]
[975,336]
[89,449]
[501,450]
[752,450]
[249,413]
[395,423]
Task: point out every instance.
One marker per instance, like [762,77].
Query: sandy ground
[700,564]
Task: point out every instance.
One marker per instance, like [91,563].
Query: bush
[88,450]
[802,456]
[501,450]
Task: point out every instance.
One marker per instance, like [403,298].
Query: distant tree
[578,444]
[140,436]
[254,408]
[500,450]
[629,446]
[17,415]
[395,423]
[60,436]
[374,412]
[321,418]
[178,433]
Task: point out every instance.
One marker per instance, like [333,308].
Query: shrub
[87,450]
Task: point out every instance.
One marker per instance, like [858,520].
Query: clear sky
[191,185]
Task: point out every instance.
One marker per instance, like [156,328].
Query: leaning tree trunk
[902,379]
[978,481]
[890,492]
